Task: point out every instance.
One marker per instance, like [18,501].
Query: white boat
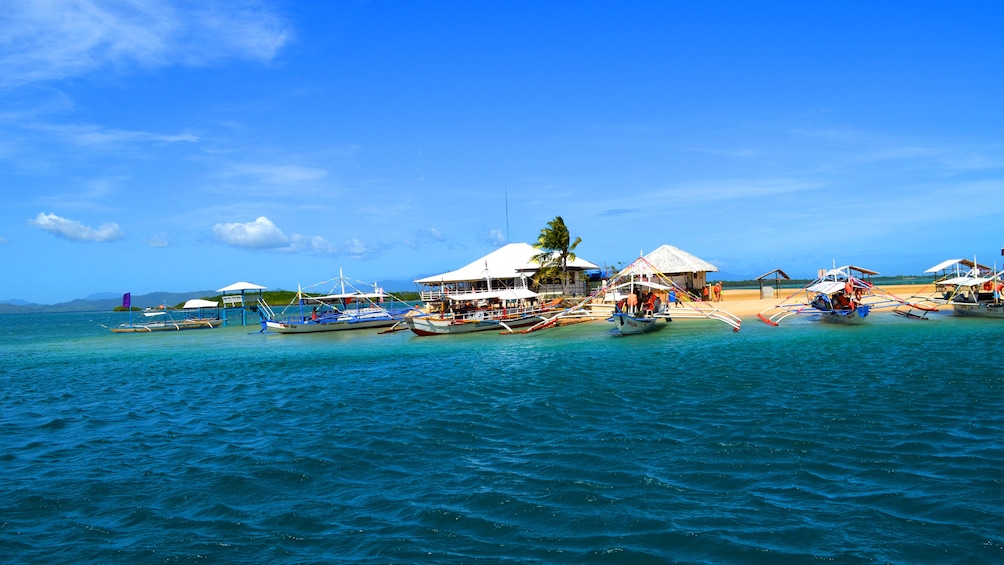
[841,295]
[669,301]
[969,288]
[492,317]
[196,314]
[347,309]
[492,293]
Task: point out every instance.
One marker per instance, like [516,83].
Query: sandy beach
[746,303]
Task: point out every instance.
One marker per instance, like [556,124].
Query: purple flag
[127,300]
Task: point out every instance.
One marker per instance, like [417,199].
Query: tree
[557,249]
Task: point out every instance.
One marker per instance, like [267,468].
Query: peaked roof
[507,262]
[200,303]
[241,286]
[671,260]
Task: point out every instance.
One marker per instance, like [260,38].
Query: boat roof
[846,269]
[504,294]
[827,287]
[647,284]
[507,262]
[967,280]
[944,265]
[200,303]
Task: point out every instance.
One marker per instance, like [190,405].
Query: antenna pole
[507,216]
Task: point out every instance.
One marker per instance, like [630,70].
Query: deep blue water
[801,443]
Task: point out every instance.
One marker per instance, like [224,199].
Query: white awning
[241,286]
[827,287]
[200,303]
[514,294]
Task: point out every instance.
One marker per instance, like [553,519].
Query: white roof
[507,262]
[200,303]
[241,286]
[669,260]
[507,294]
[827,287]
[952,262]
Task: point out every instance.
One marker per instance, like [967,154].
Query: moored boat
[842,295]
[347,309]
[971,289]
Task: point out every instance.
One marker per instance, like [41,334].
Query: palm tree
[557,250]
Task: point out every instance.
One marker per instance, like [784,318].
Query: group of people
[713,292]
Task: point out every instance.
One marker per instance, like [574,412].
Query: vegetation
[557,249]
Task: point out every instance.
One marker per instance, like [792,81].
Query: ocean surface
[804,443]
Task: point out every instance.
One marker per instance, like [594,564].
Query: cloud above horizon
[74,230]
[65,38]
[262,233]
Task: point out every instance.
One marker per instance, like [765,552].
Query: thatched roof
[671,260]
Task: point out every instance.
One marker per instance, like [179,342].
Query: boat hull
[167,326]
[429,326]
[314,327]
[625,324]
[981,310]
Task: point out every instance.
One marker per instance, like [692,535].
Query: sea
[803,443]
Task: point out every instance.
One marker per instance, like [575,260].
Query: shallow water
[805,442]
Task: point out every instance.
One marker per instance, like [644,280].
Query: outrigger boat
[842,295]
[195,317]
[346,309]
[491,293]
[663,300]
[969,288]
[485,311]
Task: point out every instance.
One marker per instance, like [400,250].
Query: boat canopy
[827,287]
[342,296]
[966,281]
[944,265]
[647,284]
[503,294]
[200,303]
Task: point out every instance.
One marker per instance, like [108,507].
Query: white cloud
[156,241]
[259,234]
[75,231]
[53,39]
[264,234]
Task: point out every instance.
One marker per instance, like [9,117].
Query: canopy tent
[508,262]
[241,287]
[945,265]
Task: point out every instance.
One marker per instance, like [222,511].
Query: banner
[127,300]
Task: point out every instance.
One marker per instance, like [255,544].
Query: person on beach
[705,293]
[632,303]
[718,291]
[671,297]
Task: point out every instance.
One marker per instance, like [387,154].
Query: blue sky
[152,145]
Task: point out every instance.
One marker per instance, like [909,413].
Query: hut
[686,270]
[772,291]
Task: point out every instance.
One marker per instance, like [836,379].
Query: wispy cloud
[3,240]
[87,135]
[56,39]
[274,174]
[158,240]
[74,230]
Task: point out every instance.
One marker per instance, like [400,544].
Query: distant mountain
[105,304]
[15,302]
[103,296]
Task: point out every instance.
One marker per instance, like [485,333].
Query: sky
[176,145]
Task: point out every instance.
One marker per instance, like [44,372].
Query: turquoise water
[801,443]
